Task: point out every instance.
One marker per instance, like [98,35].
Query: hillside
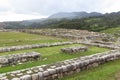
[72,15]
[113,31]
[53,19]
[86,22]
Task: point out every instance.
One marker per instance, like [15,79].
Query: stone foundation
[72,50]
[18,58]
[61,69]
[73,34]
[14,48]
[22,47]
[100,45]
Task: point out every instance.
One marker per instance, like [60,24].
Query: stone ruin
[112,46]
[73,50]
[103,42]
[61,69]
[14,59]
[21,47]
[72,34]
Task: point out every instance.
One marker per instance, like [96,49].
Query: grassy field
[52,55]
[18,38]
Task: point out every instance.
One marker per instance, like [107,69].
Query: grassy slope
[52,54]
[112,30]
[18,38]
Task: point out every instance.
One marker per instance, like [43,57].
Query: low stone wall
[71,34]
[61,69]
[100,45]
[14,48]
[22,47]
[14,59]
[72,50]
[103,42]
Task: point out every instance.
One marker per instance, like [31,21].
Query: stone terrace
[61,69]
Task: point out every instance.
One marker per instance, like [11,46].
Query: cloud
[11,16]
[48,7]
[111,6]
[5,5]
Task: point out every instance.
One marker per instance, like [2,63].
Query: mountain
[76,20]
[71,15]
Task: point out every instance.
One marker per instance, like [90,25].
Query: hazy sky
[11,10]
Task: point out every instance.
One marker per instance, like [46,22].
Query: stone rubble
[61,69]
[72,50]
[14,59]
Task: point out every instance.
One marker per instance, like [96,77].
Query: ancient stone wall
[22,47]
[14,59]
[61,69]
[103,42]
[71,34]
[14,48]
[73,50]
[100,45]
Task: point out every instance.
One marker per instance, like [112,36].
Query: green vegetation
[113,31]
[18,38]
[53,54]
[95,23]
[103,72]
[50,55]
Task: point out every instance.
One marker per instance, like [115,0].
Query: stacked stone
[103,42]
[14,59]
[72,50]
[100,45]
[14,48]
[71,34]
[61,69]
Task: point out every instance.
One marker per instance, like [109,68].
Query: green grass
[18,38]
[112,30]
[53,54]
[103,72]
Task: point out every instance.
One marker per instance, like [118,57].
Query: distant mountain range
[76,20]
[71,15]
